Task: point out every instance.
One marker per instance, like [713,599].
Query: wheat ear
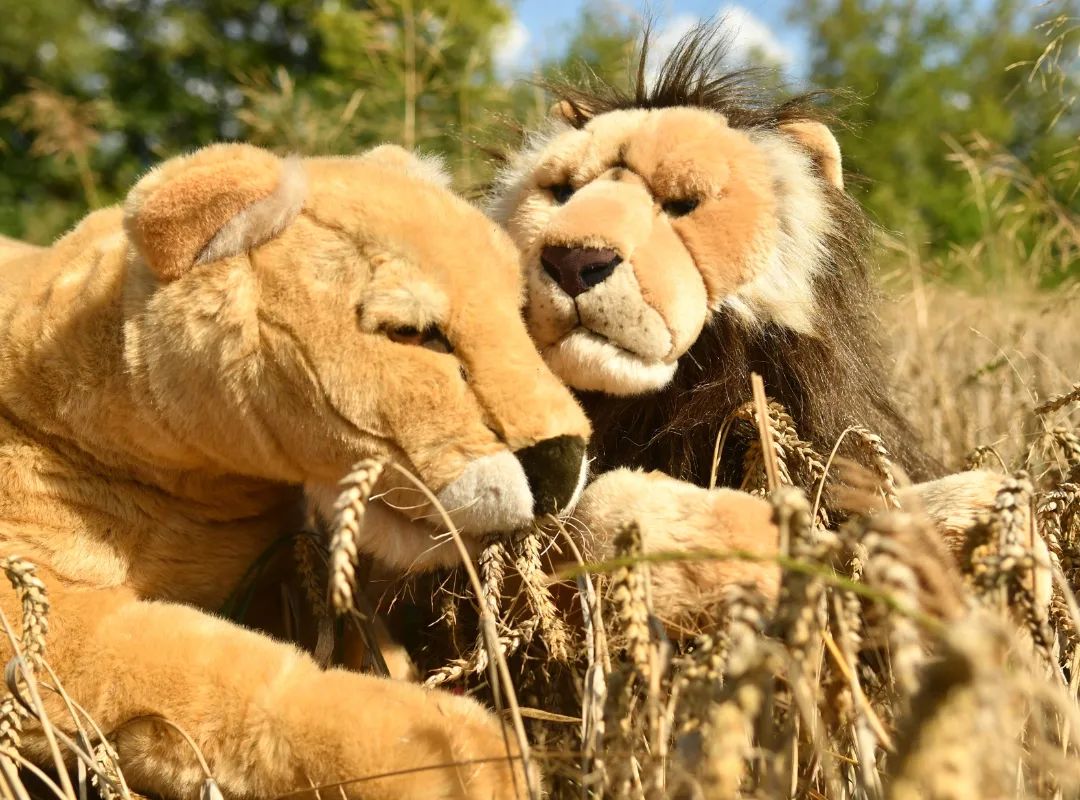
[345,541]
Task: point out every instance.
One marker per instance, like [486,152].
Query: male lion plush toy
[171,374]
[677,238]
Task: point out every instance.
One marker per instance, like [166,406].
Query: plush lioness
[677,238]
[174,371]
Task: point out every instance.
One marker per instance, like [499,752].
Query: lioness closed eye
[173,372]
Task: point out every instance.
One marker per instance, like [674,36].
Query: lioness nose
[578,269]
[555,469]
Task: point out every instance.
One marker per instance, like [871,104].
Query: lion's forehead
[393,217]
[679,151]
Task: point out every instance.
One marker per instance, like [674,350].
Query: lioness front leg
[268,721]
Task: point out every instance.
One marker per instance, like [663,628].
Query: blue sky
[538,29]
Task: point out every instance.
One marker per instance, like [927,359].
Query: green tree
[601,44]
[928,74]
[93,91]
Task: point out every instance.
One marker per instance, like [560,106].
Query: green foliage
[930,73]
[143,79]
[601,44]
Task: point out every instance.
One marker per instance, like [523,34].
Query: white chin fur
[591,363]
[398,542]
[491,495]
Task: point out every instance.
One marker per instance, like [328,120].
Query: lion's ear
[217,202]
[573,113]
[821,143]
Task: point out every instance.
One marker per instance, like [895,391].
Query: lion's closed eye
[430,337]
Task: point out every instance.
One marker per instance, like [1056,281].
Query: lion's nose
[578,269]
[555,469]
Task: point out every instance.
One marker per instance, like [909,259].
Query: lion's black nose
[555,468]
[578,269]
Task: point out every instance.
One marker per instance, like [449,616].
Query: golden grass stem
[488,624]
[768,454]
[38,706]
[856,690]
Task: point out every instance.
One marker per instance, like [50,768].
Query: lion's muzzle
[505,491]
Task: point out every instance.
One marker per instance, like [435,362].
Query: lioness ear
[573,113]
[426,167]
[821,143]
[212,204]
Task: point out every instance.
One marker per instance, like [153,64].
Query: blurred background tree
[138,80]
[961,125]
[934,83]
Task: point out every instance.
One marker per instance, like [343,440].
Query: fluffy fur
[766,273]
[171,374]
[740,253]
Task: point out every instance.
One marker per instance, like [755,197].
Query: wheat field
[890,667]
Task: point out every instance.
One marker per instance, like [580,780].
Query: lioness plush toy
[677,238]
[171,374]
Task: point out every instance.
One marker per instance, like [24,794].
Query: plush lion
[174,371]
[678,238]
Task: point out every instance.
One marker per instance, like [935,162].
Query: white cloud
[665,39]
[511,42]
[749,36]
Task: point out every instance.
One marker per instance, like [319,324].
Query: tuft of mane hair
[693,75]
[828,380]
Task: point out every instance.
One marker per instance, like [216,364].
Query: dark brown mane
[693,75]
[828,382]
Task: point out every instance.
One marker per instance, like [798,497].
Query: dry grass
[884,670]
[972,367]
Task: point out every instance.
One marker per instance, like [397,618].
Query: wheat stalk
[526,546]
[881,462]
[629,604]
[1005,566]
[800,613]
[35,625]
[348,521]
[1059,401]
[35,605]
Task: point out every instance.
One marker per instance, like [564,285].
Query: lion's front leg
[675,516]
[267,720]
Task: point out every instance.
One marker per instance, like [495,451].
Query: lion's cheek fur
[618,310]
[678,293]
[732,238]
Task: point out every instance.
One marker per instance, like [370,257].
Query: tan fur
[13,248]
[818,139]
[173,373]
[168,217]
[426,167]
